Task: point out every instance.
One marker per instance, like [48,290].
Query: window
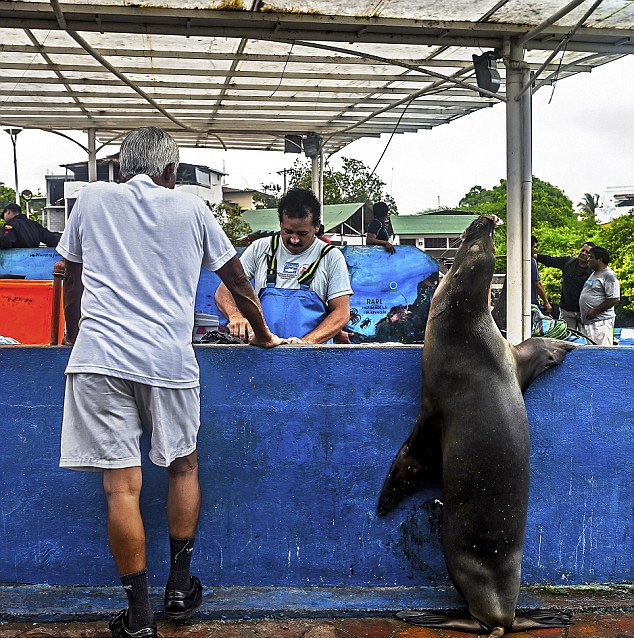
[203,178]
[435,242]
[455,242]
[408,241]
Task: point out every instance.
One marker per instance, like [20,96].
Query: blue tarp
[392,292]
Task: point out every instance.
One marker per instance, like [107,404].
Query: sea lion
[473,430]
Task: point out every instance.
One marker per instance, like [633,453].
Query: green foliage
[268,197]
[354,183]
[550,204]
[229,216]
[587,208]
[561,232]
[7,196]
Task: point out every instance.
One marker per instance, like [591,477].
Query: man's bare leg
[183,497]
[126,535]
[184,591]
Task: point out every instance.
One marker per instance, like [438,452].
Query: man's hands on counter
[270,342]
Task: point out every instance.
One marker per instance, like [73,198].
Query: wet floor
[586,625]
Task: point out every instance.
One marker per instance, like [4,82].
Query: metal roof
[267,219]
[243,73]
[430,224]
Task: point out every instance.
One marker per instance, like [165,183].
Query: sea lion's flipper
[443,620]
[540,618]
[418,462]
[538,354]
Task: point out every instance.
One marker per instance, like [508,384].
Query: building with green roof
[437,234]
[343,223]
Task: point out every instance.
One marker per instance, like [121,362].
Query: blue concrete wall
[294,446]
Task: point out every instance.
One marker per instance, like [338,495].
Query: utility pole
[283,173]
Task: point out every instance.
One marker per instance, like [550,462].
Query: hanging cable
[391,136]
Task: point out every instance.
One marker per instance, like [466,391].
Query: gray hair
[147,151]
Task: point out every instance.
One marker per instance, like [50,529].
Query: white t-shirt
[331,278]
[600,285]
[141,246]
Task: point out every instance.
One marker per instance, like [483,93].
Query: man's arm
[552,262]
[237,324]
[238,285]
[49,238]
[541,293]
[371,240]
[602,307]
[73,290]
[336,319]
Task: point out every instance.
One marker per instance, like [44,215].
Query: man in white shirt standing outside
[600,294]
[133,253]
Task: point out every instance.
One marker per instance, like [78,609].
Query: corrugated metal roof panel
[430,224]
[266,218]
[241,74]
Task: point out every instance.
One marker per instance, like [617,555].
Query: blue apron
[292,312]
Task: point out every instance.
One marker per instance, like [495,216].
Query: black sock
[139,611]
[180,560]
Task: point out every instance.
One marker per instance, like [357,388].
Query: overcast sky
[583,141]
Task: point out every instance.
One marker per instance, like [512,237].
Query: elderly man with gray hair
[133,254]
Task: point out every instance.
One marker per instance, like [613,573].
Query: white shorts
[104,418]
[601,332]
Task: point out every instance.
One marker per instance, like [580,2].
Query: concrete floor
[586,625]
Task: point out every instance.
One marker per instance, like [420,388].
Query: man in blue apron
[302,282]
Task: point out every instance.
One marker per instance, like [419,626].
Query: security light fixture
[487,76]
[312,145]
[292,143]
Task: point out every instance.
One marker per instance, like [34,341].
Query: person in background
[303,283]
[132,365]
[575,271]
[378,234]
[21,232]
[537,288]
[321,234]
[600,294]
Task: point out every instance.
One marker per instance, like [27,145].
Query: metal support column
[314,167]
[92,156]
[527,201]
[320,196]
[518,195]
[317,175]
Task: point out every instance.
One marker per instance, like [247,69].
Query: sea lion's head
[470,276]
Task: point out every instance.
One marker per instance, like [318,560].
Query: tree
[353,183]
[268,197]
[7,196]
[550,205]
[587,208]
[229,216]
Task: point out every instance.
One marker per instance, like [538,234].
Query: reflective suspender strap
[307,277]
[271,274]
